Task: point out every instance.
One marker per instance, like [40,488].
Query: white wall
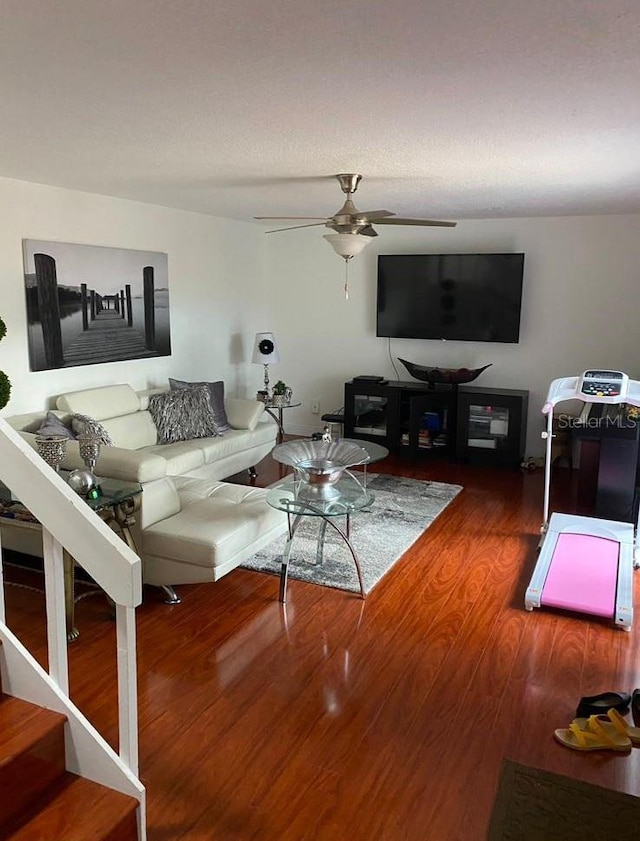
[216,271]
[582,276]
[580,308]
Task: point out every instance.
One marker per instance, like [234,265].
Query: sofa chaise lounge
[191,527]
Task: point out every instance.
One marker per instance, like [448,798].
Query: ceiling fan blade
[374,214]
[399,221]
[295,227]
[368,232]
[274,218]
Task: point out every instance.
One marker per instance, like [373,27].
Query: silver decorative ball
[81,481]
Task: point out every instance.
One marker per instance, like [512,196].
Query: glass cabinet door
[492,426]
[430,422]
[370,411]
[487,427]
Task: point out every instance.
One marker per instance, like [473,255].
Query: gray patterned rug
[403,509]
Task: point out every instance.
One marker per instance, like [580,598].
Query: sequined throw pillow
[216,398]
[182,415]
[84,425]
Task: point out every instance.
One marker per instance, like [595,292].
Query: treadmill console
[607,386]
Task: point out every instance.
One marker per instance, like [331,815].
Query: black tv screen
[458,297]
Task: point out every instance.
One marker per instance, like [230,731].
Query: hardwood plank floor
[336,718]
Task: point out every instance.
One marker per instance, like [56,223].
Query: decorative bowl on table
[320,464]
[443,375]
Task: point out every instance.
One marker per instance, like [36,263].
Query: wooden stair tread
[77,809]
[23,724]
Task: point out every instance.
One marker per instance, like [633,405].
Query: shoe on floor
[635,707]
[613,724]
[593,737]
[599,704]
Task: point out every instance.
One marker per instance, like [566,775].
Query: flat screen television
[457,297]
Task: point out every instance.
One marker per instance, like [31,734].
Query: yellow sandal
[613,723]
[592,737]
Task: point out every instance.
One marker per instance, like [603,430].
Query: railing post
[127,686]
[56,618]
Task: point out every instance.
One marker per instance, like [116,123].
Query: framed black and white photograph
[89,304]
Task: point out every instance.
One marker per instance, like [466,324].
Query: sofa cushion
[160,501]
[216,398]
[243,413]
[211,531]
[132,432]
[180,457]
[234,441]
[182,415]
[120,463]
[100,403]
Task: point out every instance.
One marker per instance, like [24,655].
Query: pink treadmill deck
[583,575]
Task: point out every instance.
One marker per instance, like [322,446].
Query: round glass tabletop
[281,406]
[376,451]
[297,497]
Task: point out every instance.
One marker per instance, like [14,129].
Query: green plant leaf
[5,389]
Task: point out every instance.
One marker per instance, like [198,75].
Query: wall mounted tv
[457,297]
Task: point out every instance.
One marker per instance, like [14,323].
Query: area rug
[533,805]
[402,510]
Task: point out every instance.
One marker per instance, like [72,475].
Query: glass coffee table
[375,451]
[298,499]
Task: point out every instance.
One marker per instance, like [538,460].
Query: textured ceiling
[453,109]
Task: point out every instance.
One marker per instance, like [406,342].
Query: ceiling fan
[353,228]
[351,225]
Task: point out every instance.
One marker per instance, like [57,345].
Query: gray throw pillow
[216,398]
[52,425]
[182,414]
[84,425]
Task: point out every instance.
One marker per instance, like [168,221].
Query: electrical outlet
[315,407]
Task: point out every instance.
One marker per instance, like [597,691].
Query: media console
[463,423]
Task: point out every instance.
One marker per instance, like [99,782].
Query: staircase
[59,778]
[41,800]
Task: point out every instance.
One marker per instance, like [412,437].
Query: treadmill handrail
[567,388]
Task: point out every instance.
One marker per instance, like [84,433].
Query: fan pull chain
[346,279]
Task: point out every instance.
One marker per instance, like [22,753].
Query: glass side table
[117,506]
[270,409]
[350,497]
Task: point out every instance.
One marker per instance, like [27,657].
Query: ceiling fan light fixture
[347,245]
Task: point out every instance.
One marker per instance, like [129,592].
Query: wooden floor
[341,719]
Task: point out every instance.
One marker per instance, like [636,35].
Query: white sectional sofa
[191,526]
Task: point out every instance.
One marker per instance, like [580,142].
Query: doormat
[533,805]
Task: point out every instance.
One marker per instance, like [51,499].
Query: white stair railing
[67,521]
